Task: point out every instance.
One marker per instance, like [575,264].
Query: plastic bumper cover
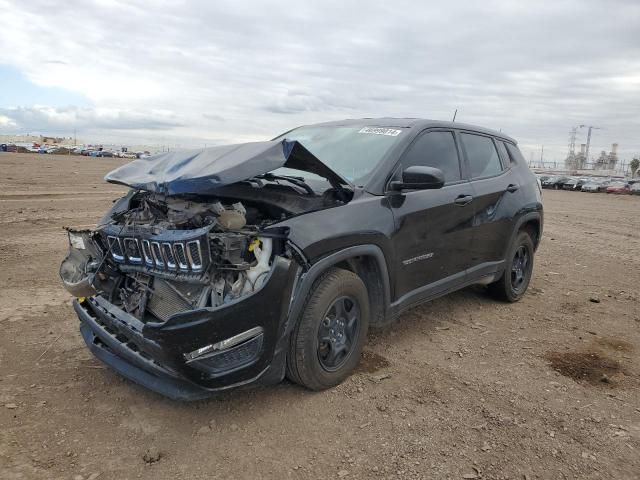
[153,354]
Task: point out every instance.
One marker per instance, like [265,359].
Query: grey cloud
[241,70]
[67,118]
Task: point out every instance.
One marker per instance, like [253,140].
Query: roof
[420,123]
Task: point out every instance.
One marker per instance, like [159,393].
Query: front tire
[517,274]
[327,342]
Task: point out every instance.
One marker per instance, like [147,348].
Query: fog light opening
[218,347]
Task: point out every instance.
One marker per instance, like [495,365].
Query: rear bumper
[153,354]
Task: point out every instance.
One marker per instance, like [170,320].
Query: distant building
[607,161]
[39,139]
[576,161]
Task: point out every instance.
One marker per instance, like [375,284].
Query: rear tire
[326,343]
[517,274]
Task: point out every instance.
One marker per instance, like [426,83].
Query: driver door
[433,228]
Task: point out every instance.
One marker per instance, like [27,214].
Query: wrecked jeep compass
[241,264]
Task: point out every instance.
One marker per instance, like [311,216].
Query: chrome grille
[181,256]
[132,250]
[116,248]
[170,252]
[195,254]
[167,252]
[157,254]
[146,250]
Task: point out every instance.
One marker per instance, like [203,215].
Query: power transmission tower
[572,142]
[571,162]
[586,154]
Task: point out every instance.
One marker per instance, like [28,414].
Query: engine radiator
[169,298]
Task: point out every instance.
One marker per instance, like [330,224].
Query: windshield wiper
[297,181]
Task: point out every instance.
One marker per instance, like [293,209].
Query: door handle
[463,200]
[512,188]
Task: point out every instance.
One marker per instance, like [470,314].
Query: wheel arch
[532,224]
[533,228]
[367,261]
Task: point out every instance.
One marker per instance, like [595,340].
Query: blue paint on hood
[202,171]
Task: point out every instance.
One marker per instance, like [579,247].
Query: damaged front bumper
[195,353]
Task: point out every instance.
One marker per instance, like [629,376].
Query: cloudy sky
[204,72]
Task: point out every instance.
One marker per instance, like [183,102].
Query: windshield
[352,151]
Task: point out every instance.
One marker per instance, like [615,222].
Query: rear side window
[506,159]
[482,155]
[435,149]
[515,154]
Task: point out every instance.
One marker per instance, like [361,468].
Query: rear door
[433,227]
[495,190]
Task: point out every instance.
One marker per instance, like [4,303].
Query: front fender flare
[308,278]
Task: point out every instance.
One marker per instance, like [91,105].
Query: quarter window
[504,154]
[435,149]
[515,154]
[482,155]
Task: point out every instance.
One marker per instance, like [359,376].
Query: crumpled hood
[204,170]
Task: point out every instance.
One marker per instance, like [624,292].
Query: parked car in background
[47,149]
[596,185]
[592,186]
[556,182]
[635,188]
[619,187]
[574,184]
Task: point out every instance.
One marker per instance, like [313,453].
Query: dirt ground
[463,387]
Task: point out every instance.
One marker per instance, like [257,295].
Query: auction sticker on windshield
[381,131]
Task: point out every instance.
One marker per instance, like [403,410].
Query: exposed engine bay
[158,255]
[198,228]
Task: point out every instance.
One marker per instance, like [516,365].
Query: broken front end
[185,295]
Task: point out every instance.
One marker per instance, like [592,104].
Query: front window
[435,149]
[352,151]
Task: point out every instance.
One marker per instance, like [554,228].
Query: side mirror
[419,178]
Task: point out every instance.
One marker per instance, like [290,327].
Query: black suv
[241,264]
